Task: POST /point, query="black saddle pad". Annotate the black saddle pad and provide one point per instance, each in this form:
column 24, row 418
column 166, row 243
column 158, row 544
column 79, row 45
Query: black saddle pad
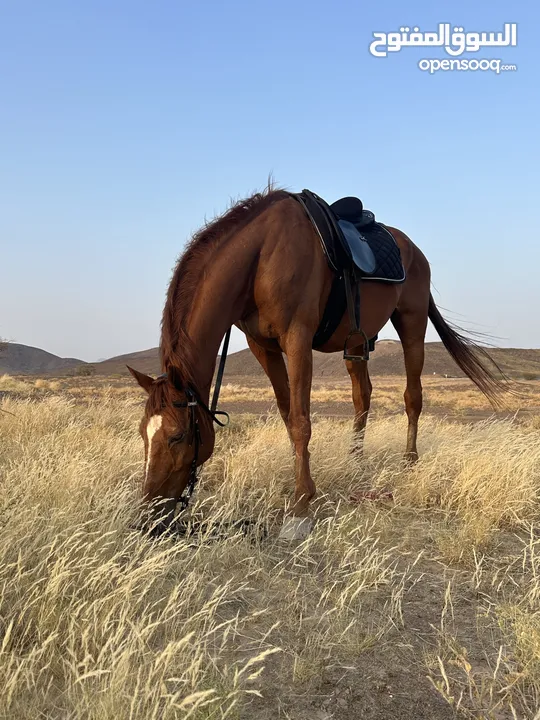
column 389, row 267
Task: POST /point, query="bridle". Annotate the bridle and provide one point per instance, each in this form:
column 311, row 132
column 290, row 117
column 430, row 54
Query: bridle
column 192, row 402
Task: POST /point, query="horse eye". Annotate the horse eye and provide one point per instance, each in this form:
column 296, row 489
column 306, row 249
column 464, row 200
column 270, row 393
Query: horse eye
column 175, row 439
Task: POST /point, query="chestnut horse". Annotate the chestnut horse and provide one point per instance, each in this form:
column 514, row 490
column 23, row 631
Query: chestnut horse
column 260, row 267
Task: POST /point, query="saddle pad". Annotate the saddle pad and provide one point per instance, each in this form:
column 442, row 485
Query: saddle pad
column 389, row 267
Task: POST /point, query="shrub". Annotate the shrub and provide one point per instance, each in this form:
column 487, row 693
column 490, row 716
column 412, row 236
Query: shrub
column 83, row 371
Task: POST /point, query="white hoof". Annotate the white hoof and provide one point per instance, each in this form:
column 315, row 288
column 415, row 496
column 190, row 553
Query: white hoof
column 295, row 528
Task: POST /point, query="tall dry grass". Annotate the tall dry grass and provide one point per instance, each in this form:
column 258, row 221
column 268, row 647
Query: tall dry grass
column 13, row 385
column 99, row 622
column 441, row 395
column 28, row 386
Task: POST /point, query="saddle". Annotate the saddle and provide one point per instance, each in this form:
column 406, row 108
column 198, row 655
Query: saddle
column 352, row 210
column 356, row 248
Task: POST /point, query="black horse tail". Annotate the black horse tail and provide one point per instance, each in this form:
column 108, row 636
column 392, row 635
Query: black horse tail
column 473, row 359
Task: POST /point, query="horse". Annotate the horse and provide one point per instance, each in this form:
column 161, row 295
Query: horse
column 260, row 267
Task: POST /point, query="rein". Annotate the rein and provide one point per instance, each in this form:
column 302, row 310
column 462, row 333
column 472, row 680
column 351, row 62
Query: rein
column 193, row 401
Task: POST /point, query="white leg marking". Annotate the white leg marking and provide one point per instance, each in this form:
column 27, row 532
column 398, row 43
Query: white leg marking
column 295, row 528
column 151, row 429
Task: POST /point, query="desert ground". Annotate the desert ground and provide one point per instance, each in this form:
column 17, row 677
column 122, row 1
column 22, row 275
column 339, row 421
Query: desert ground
column 422, row 605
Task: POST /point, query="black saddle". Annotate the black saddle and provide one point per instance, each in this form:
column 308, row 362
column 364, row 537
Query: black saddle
column 352, row 210
column 342, row 242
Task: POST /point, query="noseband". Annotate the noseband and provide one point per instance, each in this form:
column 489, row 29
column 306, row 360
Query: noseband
column 193, row 401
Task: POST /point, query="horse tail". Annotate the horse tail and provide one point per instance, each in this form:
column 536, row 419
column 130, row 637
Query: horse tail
column 470, row 357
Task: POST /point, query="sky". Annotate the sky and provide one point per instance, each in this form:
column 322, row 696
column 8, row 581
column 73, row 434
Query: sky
column 124, row 126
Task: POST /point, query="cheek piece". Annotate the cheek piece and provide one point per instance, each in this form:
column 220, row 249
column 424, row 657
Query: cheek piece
column 193, row 401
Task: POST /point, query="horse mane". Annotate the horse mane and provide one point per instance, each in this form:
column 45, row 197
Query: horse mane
column 176, row 348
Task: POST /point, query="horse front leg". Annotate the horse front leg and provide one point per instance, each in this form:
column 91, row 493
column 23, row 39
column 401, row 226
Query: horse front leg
column 274, row 366
column 300, row 364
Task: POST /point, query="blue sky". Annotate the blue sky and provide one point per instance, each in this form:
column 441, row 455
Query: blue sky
column 123, row 125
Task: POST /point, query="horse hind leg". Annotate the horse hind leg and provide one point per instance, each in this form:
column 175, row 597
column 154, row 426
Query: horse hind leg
column 361, row 391
column 411, row 328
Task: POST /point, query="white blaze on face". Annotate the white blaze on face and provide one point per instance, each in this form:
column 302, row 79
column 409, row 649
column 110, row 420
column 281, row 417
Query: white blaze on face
column 151, row 429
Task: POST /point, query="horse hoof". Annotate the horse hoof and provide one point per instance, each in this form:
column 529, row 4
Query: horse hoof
column 295, row 528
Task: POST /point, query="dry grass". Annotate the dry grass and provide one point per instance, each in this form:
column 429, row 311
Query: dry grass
column 27, row 387
column 98, row 622
column 13, row 385
column 441, row 395
column 451, row 395
column 503, row 680
column 42, row 384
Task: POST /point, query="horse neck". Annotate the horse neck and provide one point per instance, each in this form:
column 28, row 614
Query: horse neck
column 218, row 302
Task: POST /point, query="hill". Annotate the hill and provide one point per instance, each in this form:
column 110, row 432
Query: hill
column 386, row 360
column 24, row 359
column 146, row 361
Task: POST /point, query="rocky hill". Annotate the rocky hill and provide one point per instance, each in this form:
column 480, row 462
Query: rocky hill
column 19, row 359
column 386, row 360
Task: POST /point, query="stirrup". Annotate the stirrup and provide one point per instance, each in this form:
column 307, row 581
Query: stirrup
column 356, row 358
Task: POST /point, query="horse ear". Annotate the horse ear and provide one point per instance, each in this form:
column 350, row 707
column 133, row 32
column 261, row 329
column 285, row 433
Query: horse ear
column 145, row 381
